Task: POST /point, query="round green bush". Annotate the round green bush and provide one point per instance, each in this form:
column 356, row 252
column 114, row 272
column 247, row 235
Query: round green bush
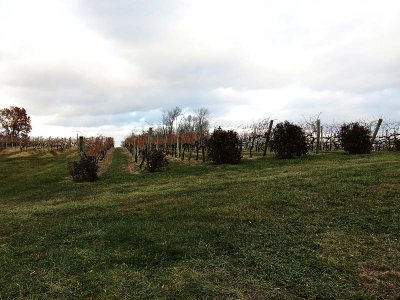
column 224, row 147
column 355, row 138
column 288, row 140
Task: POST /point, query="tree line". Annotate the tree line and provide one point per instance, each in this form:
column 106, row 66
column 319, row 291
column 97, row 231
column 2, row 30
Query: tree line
column 187, row 136
column 178, row 134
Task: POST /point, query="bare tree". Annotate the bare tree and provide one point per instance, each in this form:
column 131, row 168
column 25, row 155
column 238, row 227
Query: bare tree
column 202, row 125
column 187, row 123
column 255, row 136
column 186, row 132
column 309, row 126
column 168, row 119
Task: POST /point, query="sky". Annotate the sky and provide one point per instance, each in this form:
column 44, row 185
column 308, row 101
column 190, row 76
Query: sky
column 110, row 67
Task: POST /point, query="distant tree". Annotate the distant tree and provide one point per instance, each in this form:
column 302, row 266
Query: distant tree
column 288, row 140
column 187, row 124
column 187, row 135
column 355, row 138
column 256, row 131
column 169, row 117
column 202, row 126
column 224, row 147
column 15, row 121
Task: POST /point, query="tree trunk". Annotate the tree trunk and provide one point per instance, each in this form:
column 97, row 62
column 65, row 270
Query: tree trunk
column 143, row 159
column 252, row 146
column 268, row 137
column 183, row 152
column 197, row 150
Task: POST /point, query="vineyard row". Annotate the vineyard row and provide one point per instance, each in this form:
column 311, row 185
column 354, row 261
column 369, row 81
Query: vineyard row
column 254, row 138
column 89, row 146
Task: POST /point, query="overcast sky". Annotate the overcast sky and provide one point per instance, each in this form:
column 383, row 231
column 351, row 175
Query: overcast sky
column 109, row 66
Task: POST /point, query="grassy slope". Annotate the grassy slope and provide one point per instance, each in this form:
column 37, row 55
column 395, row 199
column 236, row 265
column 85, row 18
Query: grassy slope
column 323, row 226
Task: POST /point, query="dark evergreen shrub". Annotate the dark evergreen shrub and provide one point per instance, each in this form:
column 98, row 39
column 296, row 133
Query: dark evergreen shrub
column 288, row 140
column 156, row 161
column 84, row 170
column 224, row 147
column 355, row 138
column 396, row 145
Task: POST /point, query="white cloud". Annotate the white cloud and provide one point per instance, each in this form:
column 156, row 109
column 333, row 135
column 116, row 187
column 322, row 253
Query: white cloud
column 91, row 64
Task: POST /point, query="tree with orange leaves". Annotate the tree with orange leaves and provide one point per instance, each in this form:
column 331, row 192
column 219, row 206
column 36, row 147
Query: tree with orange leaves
column 15, row 121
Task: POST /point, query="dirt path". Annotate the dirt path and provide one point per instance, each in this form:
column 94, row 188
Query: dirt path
column 131, row 166
column 106, row 162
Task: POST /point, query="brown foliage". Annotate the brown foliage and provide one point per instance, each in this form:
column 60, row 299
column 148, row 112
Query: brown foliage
column 15, row 121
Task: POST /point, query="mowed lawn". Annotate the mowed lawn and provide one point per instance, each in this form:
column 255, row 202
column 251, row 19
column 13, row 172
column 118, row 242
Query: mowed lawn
column 322, row 226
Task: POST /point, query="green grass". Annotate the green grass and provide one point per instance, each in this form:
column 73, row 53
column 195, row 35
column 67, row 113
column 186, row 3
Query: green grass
column 322, row 226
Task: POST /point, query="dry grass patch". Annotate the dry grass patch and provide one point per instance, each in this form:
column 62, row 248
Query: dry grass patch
column 23, row 154
column 186, row 161
column 106, row 162
column 9, row 150
column 131, row 166
column 382, row 280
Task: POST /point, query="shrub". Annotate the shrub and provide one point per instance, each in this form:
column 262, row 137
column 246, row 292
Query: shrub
column 355, row 138
column 224, row 147
column 156, row 160
column 396, row 145
column 84, row 170
column 288, row 140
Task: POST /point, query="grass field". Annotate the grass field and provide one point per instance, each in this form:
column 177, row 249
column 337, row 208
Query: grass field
column 322, row 226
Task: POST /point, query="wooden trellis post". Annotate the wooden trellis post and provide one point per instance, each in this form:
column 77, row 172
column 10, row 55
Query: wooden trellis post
column 376, row 131
column 158, row 134
column 318, row 135
column 81, row 147
column 149, row 139
column 322, row 138
column 136, row 149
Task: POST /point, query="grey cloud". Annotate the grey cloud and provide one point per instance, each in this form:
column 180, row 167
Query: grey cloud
column 179, row 72
column 87, row 120
column 354, row 70
column 53, row 79
column 69, row 96
column 337, row 69
column 348, row 106
column 132, row 22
